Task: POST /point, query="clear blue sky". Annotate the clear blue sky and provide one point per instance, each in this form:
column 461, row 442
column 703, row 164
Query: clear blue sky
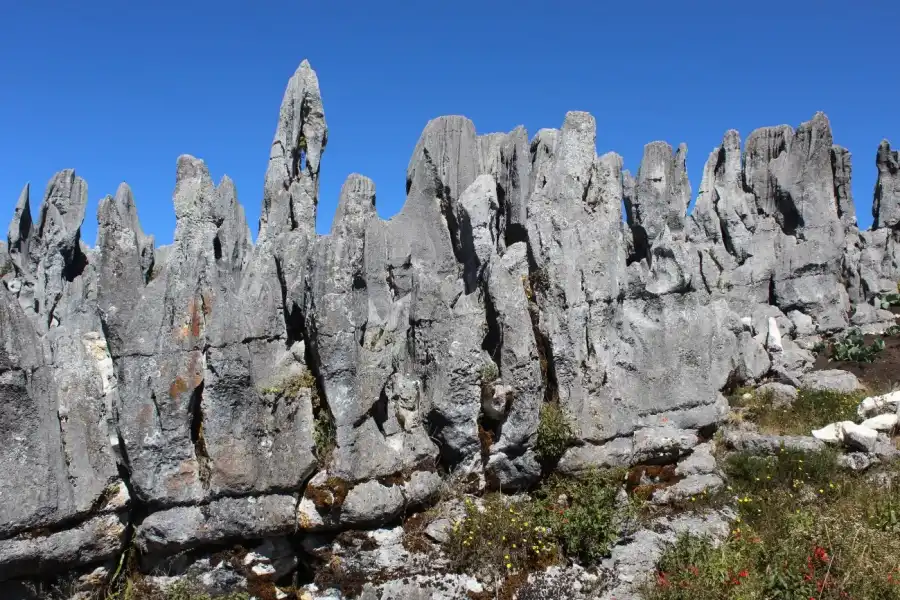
column 117, row 90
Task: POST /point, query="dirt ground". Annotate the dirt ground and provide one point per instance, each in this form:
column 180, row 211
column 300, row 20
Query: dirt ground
column 880, row 376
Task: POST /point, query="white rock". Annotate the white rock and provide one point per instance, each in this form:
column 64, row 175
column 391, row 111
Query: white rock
column 747, row 322
column 874, row 405
column 773, row 340
column 253, row 557
column 886, row 422
column 832, row 433
column 263, row 570
column 280, row 595
column 859, row 437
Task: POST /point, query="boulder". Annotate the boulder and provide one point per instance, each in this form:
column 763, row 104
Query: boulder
column 832, row 380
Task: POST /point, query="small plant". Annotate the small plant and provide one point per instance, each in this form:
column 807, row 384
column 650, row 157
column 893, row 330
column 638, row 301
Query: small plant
column 853, row 348
column 589, row 519
column 489, row 373
column 304, row 381
column 324, row 431
column 892, row 331
column 555, row 432
column 890, row 299
column 539, row 280
column 501, row 538
column 136, row 588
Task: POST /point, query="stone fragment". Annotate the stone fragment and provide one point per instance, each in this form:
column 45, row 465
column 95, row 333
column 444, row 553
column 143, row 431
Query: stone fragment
column 887, row 422
column 185, row 527
column 94, row 541
column 858, row 437
column 832, row 380
column 779, row 394
column 875, row 405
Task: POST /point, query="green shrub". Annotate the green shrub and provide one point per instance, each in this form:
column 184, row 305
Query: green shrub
column 576, row 517
column 889, row 300
column 590, row 519
column 324, row 430
column 555, row 432
column 853, row 348
column 501, row 538
column 489, row 373
column 136, row 588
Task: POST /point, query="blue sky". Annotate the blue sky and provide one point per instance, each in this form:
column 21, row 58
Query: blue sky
column 118, row 90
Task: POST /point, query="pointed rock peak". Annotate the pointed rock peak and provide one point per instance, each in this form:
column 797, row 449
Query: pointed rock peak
column 455, row 150
column 731, row 140
column 295, row 156
column 124, row 195
column 815, row 134
column 885, row 157
column 886, row 207
column 356, row 204
column 227, row 199
column 20, row 227
column 195, row 196
column 226, row 187
column 62, row 210
column 119, row 211
column 577, row 147
column 662, row 191
column 302, row 133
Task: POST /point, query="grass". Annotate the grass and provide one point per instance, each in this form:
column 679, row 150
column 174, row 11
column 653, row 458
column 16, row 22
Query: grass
column 811, row 410
column 805, row 529
column 137, row 589
column 577, row 518
column 555, row 432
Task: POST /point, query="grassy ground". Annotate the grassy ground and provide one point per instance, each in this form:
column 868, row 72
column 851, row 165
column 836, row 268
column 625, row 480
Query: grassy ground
column 811, row 410
column 806, row 529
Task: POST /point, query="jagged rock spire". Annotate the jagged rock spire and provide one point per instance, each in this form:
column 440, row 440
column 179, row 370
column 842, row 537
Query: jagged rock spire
column 662, row 191
column 886, row 207
column 292, row 177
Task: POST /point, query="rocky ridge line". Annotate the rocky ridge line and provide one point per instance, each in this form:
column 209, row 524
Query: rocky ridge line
column 183, row 392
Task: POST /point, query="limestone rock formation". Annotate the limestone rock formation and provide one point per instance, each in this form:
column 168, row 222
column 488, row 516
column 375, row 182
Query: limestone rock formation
column 218, row 389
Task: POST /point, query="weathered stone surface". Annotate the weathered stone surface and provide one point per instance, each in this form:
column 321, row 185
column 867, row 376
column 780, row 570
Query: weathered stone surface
column 218, row 375
column 876, row 405
column 833, row 380
column 779, row 394
column 886, row 208
column 181, row 528
column 94, row 541
column 755, row 443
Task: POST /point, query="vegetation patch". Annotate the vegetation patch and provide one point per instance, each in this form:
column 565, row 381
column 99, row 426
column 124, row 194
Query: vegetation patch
column 853, row 348
column 555, row 432
column 504, row 538
column 136, row 588
column 811, row 410
column 328, row 497
column 805, row 529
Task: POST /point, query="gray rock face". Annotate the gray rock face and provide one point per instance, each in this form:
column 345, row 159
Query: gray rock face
column 886, row 208
column 209, row 381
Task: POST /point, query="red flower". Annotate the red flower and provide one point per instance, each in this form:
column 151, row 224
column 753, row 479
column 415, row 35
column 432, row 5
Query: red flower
column 662, row 580
column 744, row 573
